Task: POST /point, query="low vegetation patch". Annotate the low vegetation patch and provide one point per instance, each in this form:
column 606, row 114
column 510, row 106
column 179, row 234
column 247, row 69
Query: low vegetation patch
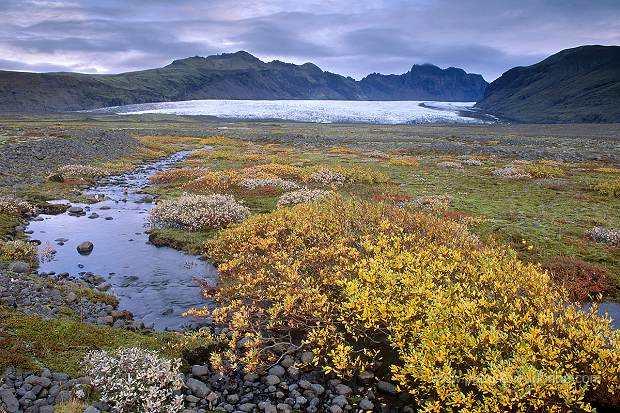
column 178, row 175
column 512, row 173
column 609, row 187
column 302, row 195
column 601, row 234
column 583, row 281
column 456, row 324
column 14, row 206
column 18, row 250
column 198, row 212
column 82, row 171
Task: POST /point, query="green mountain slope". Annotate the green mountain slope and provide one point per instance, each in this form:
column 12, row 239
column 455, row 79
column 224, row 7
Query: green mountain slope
column 228, row 76
column 574, row 85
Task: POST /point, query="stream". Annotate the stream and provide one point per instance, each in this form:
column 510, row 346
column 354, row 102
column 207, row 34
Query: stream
column 157, row 284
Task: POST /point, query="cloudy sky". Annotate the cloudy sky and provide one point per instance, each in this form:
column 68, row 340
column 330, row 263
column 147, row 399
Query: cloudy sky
column 347, row 37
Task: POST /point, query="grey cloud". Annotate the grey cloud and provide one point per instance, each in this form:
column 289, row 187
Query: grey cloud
column 482, row 36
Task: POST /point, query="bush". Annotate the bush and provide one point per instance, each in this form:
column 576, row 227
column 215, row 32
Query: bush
column 450, row 165
column 302, row 195
column 584, row 281
column 82, row 171
column 254, row 183
column 543, row 170
column 136, row 380
column 18, row 251
column 15, row 206
column 512, row 173
column 351, row 174
column 431, row 203
column 178, row 175
column 328, row 177
column 404, row 161
column 198, row 212
column 277, row 169
column 610, row 187
column 458, row 325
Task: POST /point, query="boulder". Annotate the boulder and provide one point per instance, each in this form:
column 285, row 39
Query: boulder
column 85, row 248
column 19, row 267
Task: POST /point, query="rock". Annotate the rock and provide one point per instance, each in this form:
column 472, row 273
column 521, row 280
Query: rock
column 272, row 380
column 232, row 398
column 307, row 357
column 91, row 409
column 9, row 400
column 366, row 404
column 198, row 388
column 386, row 387
column 85, row 248
column 94, row 215
column 343, row 389
column 46, row 409
column 277, row 370
column 335, row 409
column 246, row 407
column 200, row 371
column 19, row 267
column 251, row 377
column 74, row 210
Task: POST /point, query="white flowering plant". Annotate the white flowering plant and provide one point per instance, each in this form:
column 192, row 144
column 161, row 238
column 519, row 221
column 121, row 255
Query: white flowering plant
column 198, row 212
column 512, row 173
column 302, row 195
column 601, row 234
column 136, row 380
column 86, row 171
column 15, row 206
column 328, row 177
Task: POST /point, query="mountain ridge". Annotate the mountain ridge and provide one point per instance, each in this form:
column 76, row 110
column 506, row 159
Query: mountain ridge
column 238, row 75
column 580, row 84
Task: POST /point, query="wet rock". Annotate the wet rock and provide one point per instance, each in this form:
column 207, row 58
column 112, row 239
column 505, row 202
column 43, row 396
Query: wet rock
column 75, row 210
column 85, row 248
column 94, row 215
column 366, row 404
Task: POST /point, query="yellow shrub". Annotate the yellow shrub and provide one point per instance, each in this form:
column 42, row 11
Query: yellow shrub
column 607, row 170
column 462, row 327
column 278, row 169
column 178, row 175
column 218, row 181
column 403, row 162
column 353, row 173
column 232, row 154
column 610, row 187
column 544, row 170
column 219, row 140
column 342, row 150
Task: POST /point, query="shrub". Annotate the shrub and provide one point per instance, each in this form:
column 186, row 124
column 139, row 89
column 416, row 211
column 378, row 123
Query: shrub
column 543, row 170
column 328, row 177
column 607, row 170
column 302, row 195
column 277, row 169
column 431, row 203
column 136, row 380
column 512, row 173
column 198, row 212
column 18, row 250
column 583, row 280
column 458, row 325
column 219, row 140
column 178, row 175
column 472, row 162
column 450, row 165
column 254, row 183
column 377, row 154
column 403, row 161
column 610, row 187
column 82, row 171
column 601, row 234
column 352, row 174
column 15, row 206
column 342, row 150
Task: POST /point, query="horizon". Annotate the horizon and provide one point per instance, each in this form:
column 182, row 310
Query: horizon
column 86, row 36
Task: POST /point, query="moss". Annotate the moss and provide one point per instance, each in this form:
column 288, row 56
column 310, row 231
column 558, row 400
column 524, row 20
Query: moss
column 8, row 224
column 93, row 295
column 188, row 241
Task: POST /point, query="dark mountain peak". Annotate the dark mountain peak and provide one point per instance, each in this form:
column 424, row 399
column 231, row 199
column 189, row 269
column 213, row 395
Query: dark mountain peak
column 581, row 84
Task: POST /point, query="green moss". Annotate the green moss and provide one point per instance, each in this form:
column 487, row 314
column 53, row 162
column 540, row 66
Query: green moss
column 93, row 295
column 188, row 241
column 8, row 224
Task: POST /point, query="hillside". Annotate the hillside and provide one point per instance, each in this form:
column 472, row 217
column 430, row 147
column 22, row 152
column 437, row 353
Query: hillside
column 574, row 85
column 228, row 76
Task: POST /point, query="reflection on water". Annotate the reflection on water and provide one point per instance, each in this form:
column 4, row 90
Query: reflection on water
column 155, row 284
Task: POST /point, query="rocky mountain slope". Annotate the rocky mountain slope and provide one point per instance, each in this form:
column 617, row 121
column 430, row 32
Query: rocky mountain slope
column 575, row 85
column 228, row 76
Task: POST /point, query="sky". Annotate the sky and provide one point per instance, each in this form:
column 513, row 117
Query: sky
column 352, row 38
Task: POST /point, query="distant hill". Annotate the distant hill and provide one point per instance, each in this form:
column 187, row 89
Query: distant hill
column 574, row 85
column 227, row 76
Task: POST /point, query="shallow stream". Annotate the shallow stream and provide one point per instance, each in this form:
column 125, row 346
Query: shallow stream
column 156, row 284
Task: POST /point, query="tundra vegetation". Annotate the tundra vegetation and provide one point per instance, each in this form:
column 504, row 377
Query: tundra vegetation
column 455, row 268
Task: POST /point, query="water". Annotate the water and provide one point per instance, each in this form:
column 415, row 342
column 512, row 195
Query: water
column 155, row 284
column 319, row 111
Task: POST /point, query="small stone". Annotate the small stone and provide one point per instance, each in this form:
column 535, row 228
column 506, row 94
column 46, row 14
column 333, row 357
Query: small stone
column 366, row 404
column 232, row 398
column 335, row 409
column 9, row 400
column 198, row 388
column 94, row 215
column 200, row 371
column 91, row 409
column 277, row 370
column 386, row 387
column 366, row 377
column 46, row 409
column 75, row 210
column 272, row 380
column 307, row 357
column 251, row 377
column 246, row 407
column 343, row 389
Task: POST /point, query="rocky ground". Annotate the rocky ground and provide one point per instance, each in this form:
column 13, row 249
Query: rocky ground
column 22, row 161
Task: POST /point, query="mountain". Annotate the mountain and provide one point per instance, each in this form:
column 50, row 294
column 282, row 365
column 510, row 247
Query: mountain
column 575, row 85
column 227, row 76
column 425, row 82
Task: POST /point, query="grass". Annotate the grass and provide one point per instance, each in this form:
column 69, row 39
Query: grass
column 8, row 223
column 31, row 342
